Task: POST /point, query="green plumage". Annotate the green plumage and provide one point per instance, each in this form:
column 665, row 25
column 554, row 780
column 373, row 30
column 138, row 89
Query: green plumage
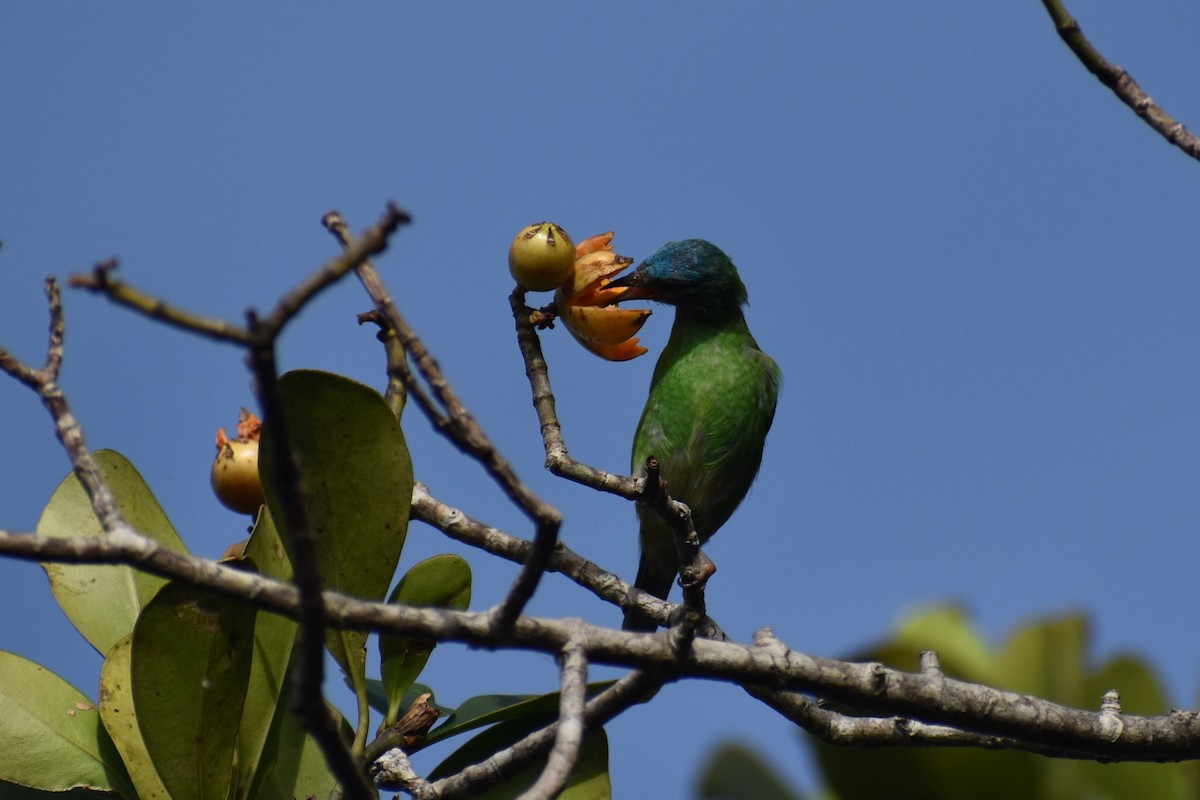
column 712, row 400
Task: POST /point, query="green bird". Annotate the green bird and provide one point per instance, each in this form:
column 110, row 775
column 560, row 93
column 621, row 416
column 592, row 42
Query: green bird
column 711, row 403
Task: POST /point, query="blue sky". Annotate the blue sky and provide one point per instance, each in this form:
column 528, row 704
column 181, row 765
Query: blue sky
column 974, row 266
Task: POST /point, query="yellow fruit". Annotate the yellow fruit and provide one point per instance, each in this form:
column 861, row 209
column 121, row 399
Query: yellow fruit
column 234, row 475
column 541, row 257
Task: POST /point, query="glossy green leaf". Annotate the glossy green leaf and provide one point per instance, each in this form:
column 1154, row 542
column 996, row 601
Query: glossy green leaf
column 103, row 600
column 121, row 721
column 443, row 581
column 51, row 737
column 268, row 692
column 487, row 709
column 735, row 772
column 265, row 548
column 357, row 479
column 190, row 669
column 589, row 780
column 292, row 764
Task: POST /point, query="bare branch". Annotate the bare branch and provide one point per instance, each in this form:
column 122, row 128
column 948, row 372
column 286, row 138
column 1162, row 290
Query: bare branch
column 1037, row 725
column 399, row 375
column 558, row 461
column 458, row 424
column 44, row 382
column 602, row 583
column 569, row 736
column 1120, row 82
column 695, row 567
column 309, row 675
column 629, row 690
column 372, row 242
column 101, row 281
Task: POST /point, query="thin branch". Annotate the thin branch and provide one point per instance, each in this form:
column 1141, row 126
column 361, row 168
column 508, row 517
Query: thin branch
column 309, row 673
column 54, row 350
column 372, row 242
column 604, row 584
column 44, row 383
column 694, row 567
column 569, row 736
column 629, row 690
column 558, row 460
column 399, row 375
column 1120, row 82
column 1036, row 723
column 465, row 432
column 101, row 281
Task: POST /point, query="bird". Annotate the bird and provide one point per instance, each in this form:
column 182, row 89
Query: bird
column 711, row 402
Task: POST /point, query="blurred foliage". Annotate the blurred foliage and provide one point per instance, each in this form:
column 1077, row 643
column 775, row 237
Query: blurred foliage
column 1047, row 658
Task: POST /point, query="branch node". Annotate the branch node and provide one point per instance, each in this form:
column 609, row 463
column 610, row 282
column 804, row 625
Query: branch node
column 1109, row 722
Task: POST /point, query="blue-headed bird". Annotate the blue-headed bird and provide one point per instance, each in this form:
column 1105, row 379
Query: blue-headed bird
column 712, row 400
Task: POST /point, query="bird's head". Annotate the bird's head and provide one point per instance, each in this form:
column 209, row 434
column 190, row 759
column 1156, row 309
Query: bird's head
column 692, row 275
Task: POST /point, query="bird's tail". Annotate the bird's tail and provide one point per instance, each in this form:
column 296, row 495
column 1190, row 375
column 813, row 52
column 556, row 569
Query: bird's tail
column 654, row 575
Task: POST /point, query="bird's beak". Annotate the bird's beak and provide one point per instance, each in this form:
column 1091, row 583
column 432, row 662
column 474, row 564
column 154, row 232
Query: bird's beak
column 634, row 286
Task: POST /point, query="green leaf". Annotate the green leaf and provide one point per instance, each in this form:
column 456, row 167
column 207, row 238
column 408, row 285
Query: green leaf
column 121, row 721
column 589, row 780
column 487, row 709
column 735, row 772
column 443, row 581
column 357, row 478
column 190, row 670
column 12, row 791
column 292, row 764
column 1045, row 658
column 50, row 734
column 103, row 600
column 268, row 692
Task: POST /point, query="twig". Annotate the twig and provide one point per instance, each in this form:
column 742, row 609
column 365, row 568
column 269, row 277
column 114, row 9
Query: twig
column 399, row 375
column 1120, row 82
column 309, row 673
column 695, row 568
column 600, row 582
column 101, row 281
column 372, row 242
column 464, row 431
column 629, row 690
column 44, row 383
column 569, row 736
column 558, row 460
